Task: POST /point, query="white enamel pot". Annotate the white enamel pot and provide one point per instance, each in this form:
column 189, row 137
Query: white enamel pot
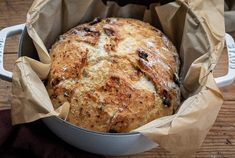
column 95, row 142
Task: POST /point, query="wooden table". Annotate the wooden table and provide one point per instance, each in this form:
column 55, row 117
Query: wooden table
column 220, row 141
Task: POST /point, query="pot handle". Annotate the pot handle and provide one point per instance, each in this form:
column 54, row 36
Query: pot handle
column 230, row 76
column 4, row 33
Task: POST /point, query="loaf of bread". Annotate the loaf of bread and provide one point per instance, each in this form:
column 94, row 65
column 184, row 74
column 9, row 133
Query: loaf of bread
column 117, row 74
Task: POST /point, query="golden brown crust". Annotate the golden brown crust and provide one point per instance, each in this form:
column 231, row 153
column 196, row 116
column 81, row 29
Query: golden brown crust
column 116, row 73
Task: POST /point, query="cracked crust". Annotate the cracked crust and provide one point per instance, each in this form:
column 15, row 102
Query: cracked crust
column 117, row 74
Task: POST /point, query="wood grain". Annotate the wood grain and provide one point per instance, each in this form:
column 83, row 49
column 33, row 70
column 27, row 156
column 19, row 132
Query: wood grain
column 5, row 87
column 220, row 141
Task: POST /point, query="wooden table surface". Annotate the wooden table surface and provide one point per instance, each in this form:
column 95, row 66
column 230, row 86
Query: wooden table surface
column 220, row 141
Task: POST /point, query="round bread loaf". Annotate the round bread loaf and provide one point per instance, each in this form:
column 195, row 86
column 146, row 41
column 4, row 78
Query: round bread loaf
column 117, row 74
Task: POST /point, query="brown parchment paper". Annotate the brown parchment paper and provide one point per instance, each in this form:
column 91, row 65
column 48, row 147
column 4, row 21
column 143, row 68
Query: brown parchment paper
column 195, row 27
